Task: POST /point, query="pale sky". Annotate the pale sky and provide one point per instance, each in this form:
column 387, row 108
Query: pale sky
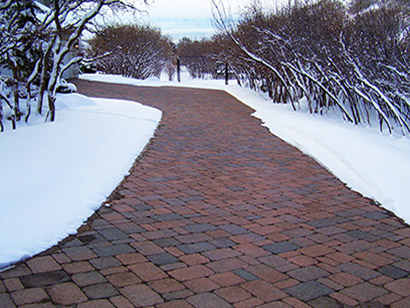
column 191, row 18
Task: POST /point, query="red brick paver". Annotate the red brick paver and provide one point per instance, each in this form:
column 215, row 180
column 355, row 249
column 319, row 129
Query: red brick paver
column 218, row 212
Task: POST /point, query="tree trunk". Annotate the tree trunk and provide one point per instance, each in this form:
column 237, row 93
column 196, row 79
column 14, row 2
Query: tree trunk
column 51, row 107
column 1, row 117
column 43, row 79
column 28, row 103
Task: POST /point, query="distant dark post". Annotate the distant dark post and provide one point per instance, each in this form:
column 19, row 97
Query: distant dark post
column 226, row 74
column 179, row 69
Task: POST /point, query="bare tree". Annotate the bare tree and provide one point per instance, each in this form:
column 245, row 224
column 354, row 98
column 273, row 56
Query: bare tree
column 135, row 51
column 66, row 22
column 199, row 57
column 321, row 53
column 18, row 48
column 45, row 40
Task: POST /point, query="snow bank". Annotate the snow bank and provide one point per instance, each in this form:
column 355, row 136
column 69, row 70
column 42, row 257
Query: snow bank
column 53, row 176
column 371, row 163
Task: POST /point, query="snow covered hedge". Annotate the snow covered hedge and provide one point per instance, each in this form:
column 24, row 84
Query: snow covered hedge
column 328, row 56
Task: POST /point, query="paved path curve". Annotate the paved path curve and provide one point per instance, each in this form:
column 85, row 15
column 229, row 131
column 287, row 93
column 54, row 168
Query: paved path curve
column 219, row 213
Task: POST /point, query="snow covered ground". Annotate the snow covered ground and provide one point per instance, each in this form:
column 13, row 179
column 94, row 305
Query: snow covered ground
column 376, row 165
column 53, row 176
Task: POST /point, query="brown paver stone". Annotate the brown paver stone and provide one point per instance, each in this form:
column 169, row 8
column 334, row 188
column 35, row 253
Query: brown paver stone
column 317, row 250
column 276, row 304
column 113, row 270
column 131, row 258
column 208, row 300
column 194, row 259
column 201, row 285
column 218, row 212
column 166, row 285
column 364, row 292
column 345, row 279
column 148, row 248
column 175, row 304
column 249, row 303
column 402, row 303
column 121, row 301
column 147, row 271
column 141, row 295
column 13, row 284
column 79, row 253
column 263, row 290
column 227, row 279
column 21, row 270
column 123, row 279
column 39, row 305
column 29, row 296
column 99, row 303
column 192, row 272
column 294, row 302
column 267, row 273
column 78, row 267
column 43, row 264
column 66, row 294
column 400, row 286
column 233, row 294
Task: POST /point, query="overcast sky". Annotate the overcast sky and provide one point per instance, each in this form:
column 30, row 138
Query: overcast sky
column 191, row 18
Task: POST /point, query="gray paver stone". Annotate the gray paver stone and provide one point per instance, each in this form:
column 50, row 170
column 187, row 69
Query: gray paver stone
column 86, row 279
column 358, row 271
column 167, row 242
column 167, row 217
column 103, row 290
column 308, row 273
column 222, row 242
column 113, row 250
column 200, row 228
column 280, row 247
column 233, row 229
column 44, row 279
column 113, row 234
column 245, row 274
column 196, row 247
column 403, row 252
column 163, row 259
column 5, row 301
column 362, row 235
column 308, row 290
column 392, row 271
column 101, row 263
column 320, row 223
column 325, row 302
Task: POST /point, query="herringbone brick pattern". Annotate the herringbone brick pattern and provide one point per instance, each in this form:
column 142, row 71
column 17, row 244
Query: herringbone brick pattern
column 220, row 213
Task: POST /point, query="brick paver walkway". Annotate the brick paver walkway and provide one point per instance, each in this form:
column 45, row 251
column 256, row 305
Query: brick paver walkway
column 219, row 213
